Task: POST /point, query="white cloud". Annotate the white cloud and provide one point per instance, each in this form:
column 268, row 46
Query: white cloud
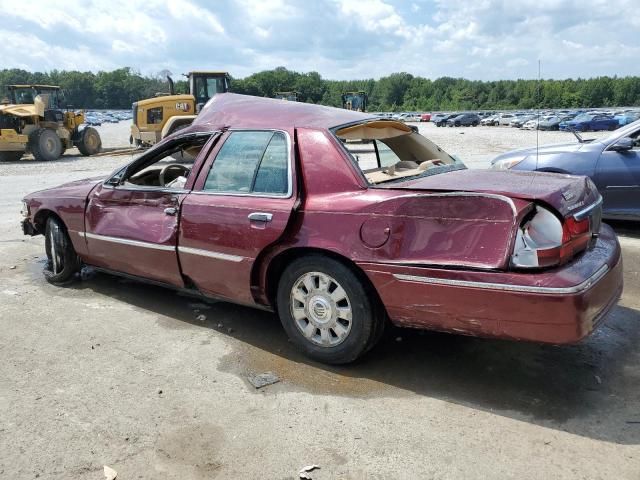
column 41, row 56
column 485, row 39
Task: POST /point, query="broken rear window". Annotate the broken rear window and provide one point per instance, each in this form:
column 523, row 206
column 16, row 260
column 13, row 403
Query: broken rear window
column 387, row 150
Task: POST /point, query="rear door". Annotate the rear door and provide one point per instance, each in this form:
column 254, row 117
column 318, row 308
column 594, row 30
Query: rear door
column 241, row 203
column 618, row 180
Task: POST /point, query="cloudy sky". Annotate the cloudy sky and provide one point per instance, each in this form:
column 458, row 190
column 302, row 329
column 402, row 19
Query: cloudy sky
column 341, row 39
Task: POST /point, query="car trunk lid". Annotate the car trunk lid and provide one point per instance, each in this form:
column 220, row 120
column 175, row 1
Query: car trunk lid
column 567, row 194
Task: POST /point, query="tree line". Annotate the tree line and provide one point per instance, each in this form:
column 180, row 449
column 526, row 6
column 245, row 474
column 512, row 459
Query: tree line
column 118, row 89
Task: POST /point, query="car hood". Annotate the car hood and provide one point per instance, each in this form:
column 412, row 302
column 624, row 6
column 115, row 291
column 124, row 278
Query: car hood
column 566, row 193
column 76, row 188
column 542, row 150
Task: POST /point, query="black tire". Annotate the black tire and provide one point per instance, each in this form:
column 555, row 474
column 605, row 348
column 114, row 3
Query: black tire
column 90, row 142
column 58, row 246
column 45, row 144
column 367, row 316
column 475, row 124
column 10, row 156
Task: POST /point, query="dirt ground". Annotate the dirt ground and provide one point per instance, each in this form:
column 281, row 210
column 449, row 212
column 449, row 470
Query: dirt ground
column 110, row 372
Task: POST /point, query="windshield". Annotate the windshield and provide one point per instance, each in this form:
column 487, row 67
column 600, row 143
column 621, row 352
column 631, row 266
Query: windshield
column 207, row 87
column 26, row 96
column 387, row 151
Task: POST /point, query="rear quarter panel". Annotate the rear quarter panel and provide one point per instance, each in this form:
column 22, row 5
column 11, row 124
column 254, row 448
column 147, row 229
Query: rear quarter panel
column 340, row 214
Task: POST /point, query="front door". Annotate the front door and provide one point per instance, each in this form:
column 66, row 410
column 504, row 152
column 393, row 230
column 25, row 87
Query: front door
column 241, row 203
column 131, row 220
column 618, row 180
column 134, row 232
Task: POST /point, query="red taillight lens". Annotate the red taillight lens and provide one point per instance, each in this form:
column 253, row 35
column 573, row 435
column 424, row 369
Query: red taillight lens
column 573, row 228
column 576, row 235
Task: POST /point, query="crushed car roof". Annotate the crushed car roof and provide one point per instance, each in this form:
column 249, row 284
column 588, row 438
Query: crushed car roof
column 244, row 111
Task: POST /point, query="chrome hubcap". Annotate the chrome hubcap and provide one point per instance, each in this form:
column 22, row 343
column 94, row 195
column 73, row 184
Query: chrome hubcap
column 321, row 309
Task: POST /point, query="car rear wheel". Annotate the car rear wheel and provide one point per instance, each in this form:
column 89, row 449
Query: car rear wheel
column 62, row 261
column 327, row 311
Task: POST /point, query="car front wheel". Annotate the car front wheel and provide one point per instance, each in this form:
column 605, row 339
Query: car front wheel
column 327, row 311
column 62, row 260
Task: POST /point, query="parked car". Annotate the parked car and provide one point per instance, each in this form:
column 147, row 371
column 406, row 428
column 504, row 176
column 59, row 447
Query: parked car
column 505, row 119
column 464, row 120
column 437, row 117
column 627, row 118
column 519, row 121
column 442, row 121
column 334, row 248
column 425, row 117
column 92, row 120
column 553, row 122
column 613, row 163
column 532, row 124
column 491, row 120
column 589, row 122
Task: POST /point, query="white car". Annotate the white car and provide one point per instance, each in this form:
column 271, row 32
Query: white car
column 490, row 120
column 505, row 119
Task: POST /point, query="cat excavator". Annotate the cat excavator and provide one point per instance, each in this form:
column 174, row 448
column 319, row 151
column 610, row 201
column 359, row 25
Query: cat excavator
column 155, row 118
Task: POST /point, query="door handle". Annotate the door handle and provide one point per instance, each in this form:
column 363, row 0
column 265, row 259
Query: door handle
column 170, row 211
column 260, row 217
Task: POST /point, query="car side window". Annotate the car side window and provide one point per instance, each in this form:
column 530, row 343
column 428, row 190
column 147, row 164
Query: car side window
column 272, row 172
column 250, row 162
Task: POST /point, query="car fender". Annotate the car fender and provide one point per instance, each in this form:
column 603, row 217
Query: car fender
column 575, row 163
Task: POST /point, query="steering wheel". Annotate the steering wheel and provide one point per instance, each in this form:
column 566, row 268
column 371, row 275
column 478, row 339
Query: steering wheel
column 171, row 166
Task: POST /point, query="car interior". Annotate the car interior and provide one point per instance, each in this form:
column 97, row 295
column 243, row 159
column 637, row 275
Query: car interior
column 169, row 169
column 386, row 150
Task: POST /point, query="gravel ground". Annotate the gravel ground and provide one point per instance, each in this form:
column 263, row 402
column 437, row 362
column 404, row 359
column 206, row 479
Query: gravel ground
column 109, row 372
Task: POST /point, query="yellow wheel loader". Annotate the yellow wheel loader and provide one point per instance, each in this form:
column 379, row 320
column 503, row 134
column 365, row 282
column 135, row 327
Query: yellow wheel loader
column 155, row 118
column 32, row 119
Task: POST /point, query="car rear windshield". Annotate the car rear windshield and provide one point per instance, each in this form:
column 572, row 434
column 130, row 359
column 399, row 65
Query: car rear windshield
column 387, row 150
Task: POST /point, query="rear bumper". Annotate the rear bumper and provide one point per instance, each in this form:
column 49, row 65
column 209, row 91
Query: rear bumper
column 558, row 306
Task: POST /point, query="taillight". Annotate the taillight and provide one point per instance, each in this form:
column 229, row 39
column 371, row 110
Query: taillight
column 544, row 241
column 576, row 236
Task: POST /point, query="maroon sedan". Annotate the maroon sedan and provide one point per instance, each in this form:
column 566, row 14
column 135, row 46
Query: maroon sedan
column 340, row 222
